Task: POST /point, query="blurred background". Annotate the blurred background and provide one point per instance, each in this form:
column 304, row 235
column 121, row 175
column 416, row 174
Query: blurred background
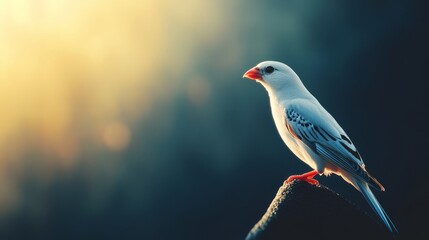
column 131, row 120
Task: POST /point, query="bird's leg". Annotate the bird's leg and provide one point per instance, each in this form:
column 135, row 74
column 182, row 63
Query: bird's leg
column 308, row 177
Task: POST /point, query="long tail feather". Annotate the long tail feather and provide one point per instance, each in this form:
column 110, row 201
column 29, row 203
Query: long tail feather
column 375, row 205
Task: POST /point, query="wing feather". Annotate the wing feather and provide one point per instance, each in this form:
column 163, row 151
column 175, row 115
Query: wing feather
column 328, row 140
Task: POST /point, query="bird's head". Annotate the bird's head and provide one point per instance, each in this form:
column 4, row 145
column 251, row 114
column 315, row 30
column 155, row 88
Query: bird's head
column 272, row 74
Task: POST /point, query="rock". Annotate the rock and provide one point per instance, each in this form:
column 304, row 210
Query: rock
column 304, row 211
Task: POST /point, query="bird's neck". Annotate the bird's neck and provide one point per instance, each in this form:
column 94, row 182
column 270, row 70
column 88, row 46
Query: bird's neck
column 290, row 90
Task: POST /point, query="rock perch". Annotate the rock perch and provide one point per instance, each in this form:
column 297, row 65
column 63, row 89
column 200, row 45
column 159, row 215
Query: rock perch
column 303, row 211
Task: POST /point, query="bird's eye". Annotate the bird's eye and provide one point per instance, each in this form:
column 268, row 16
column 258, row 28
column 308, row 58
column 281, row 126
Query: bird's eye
column 269, row 69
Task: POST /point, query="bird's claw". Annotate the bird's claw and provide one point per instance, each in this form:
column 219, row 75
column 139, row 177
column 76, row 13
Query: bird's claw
column 309, row 180
column 307, row 177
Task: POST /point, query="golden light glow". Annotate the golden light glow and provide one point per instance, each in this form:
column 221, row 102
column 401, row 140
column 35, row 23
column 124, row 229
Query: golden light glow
column 72, row 73
column 116, row 136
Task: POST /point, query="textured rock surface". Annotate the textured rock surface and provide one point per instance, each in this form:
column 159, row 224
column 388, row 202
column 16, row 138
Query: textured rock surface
column 300, row 210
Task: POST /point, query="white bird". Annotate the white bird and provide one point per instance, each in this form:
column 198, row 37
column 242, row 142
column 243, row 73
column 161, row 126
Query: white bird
column 312, row 134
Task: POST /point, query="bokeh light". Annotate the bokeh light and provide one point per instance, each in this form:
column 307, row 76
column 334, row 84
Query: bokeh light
column 133, row 117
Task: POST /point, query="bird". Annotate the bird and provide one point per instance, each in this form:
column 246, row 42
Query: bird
column 313, row 135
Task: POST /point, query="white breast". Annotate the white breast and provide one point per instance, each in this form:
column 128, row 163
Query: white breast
column 297, row 147
column 278, row 112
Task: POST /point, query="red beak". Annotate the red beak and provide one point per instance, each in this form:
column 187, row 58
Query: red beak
column 253, row 74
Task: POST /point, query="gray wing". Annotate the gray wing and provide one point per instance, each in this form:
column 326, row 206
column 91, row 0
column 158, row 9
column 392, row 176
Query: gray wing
column 324, row 136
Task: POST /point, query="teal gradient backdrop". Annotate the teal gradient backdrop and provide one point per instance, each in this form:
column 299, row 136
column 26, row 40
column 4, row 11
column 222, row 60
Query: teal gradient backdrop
column 132, row 120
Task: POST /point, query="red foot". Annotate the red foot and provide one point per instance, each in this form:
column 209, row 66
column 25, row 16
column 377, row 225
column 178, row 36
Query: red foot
column 307, row 177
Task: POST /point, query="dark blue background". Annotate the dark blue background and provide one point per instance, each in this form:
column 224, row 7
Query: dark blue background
column 210, row 169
